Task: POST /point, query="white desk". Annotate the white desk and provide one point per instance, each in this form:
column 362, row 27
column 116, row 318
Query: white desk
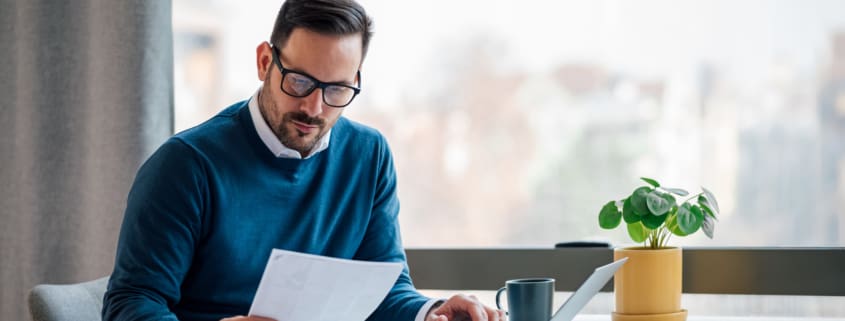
column 591, row 317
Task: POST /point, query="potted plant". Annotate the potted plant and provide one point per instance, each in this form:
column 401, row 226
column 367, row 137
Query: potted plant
column 648, row 287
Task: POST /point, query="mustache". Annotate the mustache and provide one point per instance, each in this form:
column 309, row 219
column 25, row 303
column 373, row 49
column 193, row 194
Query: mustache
column 304, row 118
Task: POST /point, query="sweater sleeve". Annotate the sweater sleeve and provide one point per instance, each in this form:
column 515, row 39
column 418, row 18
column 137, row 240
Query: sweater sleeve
column 382, row 242
column 160, row 228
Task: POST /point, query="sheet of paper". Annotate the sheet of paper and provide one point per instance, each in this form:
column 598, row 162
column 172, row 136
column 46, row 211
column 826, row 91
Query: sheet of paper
column 305, row 287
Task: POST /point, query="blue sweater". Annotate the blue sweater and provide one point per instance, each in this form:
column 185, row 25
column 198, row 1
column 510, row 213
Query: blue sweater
column 208, row 206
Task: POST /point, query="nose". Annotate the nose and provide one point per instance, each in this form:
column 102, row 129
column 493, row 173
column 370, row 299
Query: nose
column 313, row 103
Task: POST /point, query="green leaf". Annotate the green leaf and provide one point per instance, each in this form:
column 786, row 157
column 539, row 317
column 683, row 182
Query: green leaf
column 609, row 217
column 628, row 212
column 669, row 198
column 638, row 200
column 711, row 199
column 696, row 210
column 676, row 229
column 659, row 203
column 638, row 232
column 706, row 208
column 677, row 191
column 650, row 181
column 703, row 200
column 708, row 225
column 689, row 218
column 653, row 221
column 656, row 204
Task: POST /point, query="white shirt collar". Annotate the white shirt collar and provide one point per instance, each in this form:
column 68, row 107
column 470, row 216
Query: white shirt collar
column 271, row 141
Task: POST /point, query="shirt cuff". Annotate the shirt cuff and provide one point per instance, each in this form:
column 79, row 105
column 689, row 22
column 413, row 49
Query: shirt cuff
column 424, row 309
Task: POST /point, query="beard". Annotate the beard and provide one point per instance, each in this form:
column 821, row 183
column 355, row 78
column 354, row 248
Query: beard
column 283, row 128
column 293, row 138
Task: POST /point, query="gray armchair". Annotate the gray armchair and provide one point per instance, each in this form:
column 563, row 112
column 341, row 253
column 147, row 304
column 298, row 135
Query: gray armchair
column 68, row 302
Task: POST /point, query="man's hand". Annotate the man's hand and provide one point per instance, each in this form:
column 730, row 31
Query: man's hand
column 249, row 318
column 462, row 307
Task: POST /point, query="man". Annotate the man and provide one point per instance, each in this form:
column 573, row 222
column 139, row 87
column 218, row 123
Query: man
column 280, row 170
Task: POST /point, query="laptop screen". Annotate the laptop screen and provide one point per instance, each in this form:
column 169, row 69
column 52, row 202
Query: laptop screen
column 587, row 290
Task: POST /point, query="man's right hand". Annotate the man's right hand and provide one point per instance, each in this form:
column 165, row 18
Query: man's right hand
column 249, row 318
column 465, row 308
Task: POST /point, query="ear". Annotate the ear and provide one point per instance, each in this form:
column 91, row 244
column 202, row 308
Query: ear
column 263, row 59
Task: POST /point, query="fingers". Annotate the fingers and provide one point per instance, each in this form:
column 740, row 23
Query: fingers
column 492, row 314
column 459, row 306
column 477, row 312
column 437, row 317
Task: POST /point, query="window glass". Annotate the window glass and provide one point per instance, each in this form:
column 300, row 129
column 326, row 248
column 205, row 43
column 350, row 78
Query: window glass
column 513, row 122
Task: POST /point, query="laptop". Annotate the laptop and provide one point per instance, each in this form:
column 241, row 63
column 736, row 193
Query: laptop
column 590, row 288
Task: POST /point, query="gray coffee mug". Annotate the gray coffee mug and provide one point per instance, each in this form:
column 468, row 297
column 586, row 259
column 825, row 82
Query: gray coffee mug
column 528, row 299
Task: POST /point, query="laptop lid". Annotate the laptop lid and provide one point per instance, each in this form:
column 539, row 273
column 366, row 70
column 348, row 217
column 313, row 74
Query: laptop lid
column 588, row 289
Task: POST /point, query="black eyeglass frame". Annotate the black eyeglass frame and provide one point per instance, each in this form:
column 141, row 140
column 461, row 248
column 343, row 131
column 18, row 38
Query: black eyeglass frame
column 317, row 83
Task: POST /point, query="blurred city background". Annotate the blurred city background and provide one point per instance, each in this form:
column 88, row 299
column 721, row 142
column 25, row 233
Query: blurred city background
column 513, row 122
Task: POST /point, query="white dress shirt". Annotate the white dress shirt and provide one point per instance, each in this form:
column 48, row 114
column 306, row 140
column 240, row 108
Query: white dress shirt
column 271, row 141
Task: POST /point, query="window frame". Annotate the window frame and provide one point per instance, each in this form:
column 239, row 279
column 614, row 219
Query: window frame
column 707, row 270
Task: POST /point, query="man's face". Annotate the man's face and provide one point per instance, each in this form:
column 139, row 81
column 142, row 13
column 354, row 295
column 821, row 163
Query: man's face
column 300, row 122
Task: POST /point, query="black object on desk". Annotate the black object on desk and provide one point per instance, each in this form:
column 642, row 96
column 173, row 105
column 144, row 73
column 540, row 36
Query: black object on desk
column 582, row 244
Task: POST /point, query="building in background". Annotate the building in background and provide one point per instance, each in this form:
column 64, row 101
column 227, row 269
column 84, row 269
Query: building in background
column 516, row 133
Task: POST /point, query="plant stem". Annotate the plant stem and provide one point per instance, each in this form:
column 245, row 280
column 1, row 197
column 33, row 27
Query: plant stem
column 694, row 196
column 654, row 238
column 668, row 236
column 661, row 236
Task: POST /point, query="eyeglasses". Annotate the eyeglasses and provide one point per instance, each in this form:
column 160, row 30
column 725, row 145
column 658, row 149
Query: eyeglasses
column 298, row 84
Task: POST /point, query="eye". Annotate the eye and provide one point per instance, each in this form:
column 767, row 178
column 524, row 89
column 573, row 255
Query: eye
column 337, row 90
column 299, row 84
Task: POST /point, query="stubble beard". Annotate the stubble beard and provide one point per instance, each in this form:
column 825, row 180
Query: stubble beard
column 287, row 134
column 295, row 139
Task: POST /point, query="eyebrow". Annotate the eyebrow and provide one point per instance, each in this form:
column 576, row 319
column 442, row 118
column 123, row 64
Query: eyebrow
column 278, row 53
column 342, row 82
column 299, row 71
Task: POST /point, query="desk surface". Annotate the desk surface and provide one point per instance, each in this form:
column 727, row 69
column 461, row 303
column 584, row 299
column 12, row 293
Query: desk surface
column 589, row 317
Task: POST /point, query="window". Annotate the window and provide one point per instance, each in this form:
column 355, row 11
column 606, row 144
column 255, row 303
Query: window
column 514, row 122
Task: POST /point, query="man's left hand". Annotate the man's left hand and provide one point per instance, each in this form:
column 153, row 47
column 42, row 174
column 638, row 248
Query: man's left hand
column 464, row 308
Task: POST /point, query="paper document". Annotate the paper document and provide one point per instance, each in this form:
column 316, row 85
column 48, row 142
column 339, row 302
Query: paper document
column 305, row 287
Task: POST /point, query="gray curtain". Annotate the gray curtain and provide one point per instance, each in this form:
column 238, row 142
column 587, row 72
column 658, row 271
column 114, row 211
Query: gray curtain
column 86, row 91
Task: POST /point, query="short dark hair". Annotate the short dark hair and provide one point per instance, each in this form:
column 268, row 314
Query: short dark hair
column 331, row 17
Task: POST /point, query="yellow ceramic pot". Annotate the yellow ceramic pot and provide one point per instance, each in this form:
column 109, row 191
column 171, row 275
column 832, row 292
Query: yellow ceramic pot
column 649, row 285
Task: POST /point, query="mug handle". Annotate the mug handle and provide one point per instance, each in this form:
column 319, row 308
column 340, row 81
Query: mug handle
column 498, row 295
